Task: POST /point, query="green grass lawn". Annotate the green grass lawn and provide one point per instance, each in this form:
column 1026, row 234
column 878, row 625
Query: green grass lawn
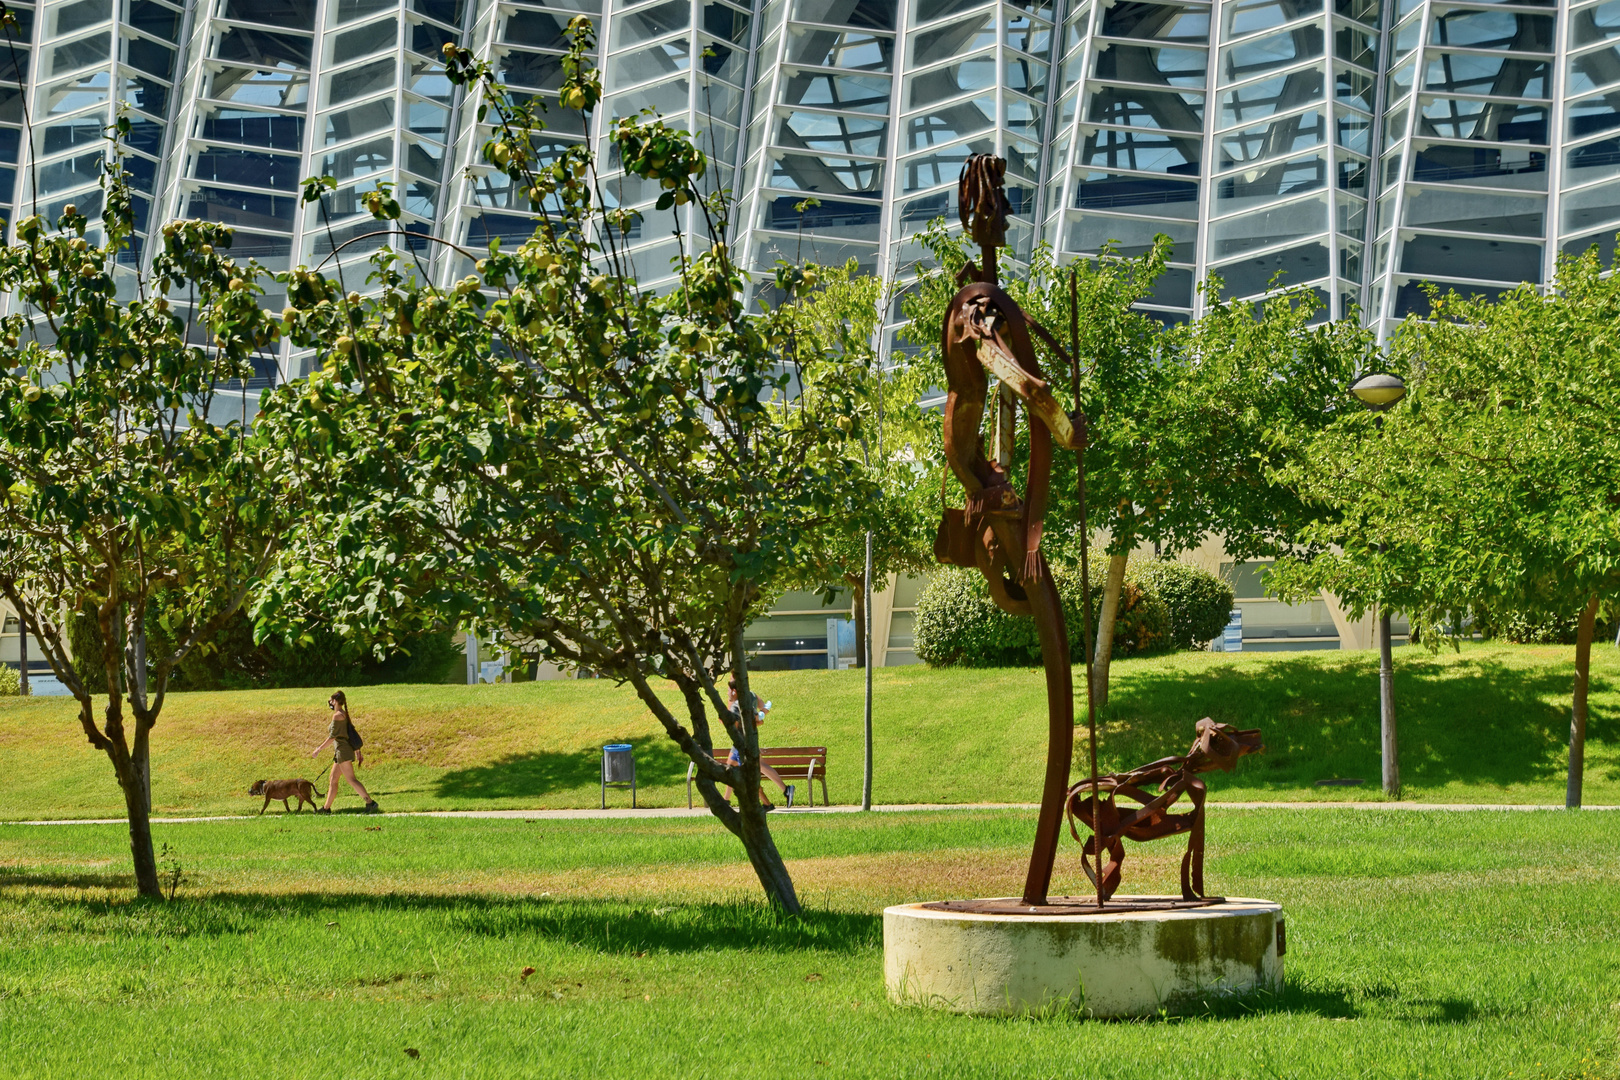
column 1487, row 725
column 1420, row 945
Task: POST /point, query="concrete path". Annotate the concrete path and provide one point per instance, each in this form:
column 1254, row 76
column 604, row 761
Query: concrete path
column 698, row 812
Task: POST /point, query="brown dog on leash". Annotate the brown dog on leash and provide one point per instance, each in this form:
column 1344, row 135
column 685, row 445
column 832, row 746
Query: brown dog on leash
column 302, row 790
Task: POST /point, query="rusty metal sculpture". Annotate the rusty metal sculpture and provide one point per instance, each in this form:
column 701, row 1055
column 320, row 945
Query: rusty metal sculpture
column 1095, row 804
column 986, row 333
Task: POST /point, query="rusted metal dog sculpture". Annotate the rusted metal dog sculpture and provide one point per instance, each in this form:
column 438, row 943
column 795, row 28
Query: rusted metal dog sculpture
column 986, row 334
column 1218, row 746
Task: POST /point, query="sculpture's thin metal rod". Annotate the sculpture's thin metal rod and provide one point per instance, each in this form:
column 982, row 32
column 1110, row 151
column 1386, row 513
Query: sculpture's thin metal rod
column 1085, row 555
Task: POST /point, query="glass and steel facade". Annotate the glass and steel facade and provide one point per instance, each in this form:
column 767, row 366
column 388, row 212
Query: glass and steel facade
column 1360, row 147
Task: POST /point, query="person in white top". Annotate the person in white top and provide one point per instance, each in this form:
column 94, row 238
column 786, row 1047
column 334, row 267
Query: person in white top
column 761, row 709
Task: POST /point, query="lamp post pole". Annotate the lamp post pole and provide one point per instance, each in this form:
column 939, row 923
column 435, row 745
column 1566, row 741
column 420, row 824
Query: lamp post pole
column 1379, row 392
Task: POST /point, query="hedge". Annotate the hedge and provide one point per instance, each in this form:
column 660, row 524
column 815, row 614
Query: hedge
column 1200, row 603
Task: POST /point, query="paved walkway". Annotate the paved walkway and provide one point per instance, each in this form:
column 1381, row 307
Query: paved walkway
column 683, row 812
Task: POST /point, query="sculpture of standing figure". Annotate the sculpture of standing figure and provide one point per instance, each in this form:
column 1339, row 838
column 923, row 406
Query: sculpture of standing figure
column 987, row 334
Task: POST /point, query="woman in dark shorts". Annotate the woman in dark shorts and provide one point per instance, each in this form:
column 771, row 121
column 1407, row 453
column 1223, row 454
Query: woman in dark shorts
column 344, row 756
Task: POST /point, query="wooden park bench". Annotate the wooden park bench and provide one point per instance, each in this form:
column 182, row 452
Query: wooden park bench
column 804, row 764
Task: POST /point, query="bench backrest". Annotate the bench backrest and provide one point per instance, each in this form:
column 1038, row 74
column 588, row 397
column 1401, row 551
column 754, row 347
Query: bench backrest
column 794, row 757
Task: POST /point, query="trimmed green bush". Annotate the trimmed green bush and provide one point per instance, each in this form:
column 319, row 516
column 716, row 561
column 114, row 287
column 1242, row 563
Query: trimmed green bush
column 1200, row 603
column 958, row 624
column 10, row 681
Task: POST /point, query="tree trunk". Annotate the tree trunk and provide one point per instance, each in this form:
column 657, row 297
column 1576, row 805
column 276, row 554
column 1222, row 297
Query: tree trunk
column 132, row 766
column 1387, row 740
column 857, row 592
column 1105, row 627
column 1577, row 720
column 762, row 854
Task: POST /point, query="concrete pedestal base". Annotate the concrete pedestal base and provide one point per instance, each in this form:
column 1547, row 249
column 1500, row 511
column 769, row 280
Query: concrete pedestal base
column 1127, row 963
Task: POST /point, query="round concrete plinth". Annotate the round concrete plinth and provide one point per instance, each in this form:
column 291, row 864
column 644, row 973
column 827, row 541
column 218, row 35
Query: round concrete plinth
column 1128, row 963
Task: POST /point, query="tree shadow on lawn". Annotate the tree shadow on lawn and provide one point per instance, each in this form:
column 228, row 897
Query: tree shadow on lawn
column 520, row 776
column 1332, row 1001
column 1467, row 720
column 605, row 925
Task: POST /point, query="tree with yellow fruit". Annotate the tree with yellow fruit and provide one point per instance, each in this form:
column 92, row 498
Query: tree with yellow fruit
column 120, row 485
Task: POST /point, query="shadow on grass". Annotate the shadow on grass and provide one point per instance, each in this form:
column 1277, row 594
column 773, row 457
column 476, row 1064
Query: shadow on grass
column 1470, row 720
column 518, row 776
column 602, row 925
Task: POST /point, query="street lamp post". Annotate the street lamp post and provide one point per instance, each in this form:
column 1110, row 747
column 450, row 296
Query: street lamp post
column 1379, row 392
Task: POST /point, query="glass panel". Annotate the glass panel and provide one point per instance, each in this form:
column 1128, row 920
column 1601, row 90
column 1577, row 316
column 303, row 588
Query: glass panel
column 360, row 120
column 723, row 61
column 1407, row 37
column 1268, row 227
column 1029, row 35
column 819, row 131
column 1262, row 54
column 1395, row 127
column 1489, row 121
column 1510, row 167
column 1252, row 16
column 154, row 19
column 650, row 22
column 1494, row 30
column 1351, row 216
column 426, row 119
column 68, row 173
column 1026, row 76
column 841, row 49
column 72, row 55
column 296, row 14
column 71, row 95
column 1603, row 241
column 144, row 94
column 1599, row 22
column 1591, row 70
column 1289, row 267
column 1146, row 109
column 1356, row 45
column 1412, row 299
column 1141, row 151
column 428, row 79
column 150, row 57
column 950, row 123
column 68, row 19
column 241, row 86
column 250, row 209
column 1185, row 23
column 365, row 40
column 262, row 130
column 545, row 30
column 1456, row 256
column 1590, row 207
column 430, row 40
column 66, row 134
column 1150, row 64
column 1275, row 180
column 1592, row 115
column 1498, row 76
column 1260, row 99
column 729, row 24
column 644, row 65
column 663, row 98
column 1353, row 88
column 830, row 90
column 262, row 48
column 450, row 12
column 805, row 172
column 1354, row 131
column 1129, row 236
column 372, row 78
column 424, row 159
column 1476, row 211
column 1144, row 194
column 953, row 80
column 248, row 168
column 831, row 216
column 1400, row 80
column 953, row 39
column 941, row 167
column 929, row 10
column 1284, row 136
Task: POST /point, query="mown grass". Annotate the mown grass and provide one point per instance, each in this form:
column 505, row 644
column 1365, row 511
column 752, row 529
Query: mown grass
column 1488, row 724
column 1420, row 945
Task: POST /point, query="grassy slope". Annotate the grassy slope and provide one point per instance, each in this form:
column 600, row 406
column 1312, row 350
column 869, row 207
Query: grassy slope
column 1454, row 945
column 1490, row 724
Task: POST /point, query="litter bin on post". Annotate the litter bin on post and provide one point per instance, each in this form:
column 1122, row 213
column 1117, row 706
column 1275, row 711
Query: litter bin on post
column 618, row 770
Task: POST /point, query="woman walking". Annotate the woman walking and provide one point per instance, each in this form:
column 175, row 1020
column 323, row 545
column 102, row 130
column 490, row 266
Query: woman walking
column 345, row 757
